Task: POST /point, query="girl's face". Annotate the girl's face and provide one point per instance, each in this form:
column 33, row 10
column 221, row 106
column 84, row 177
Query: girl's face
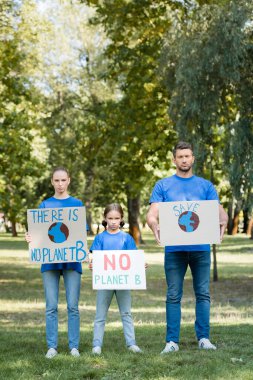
column 113, row 219
column 60, row 182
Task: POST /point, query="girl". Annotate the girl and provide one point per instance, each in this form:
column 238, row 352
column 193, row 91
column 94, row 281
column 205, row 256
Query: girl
column 113, row 239
column 71, row 274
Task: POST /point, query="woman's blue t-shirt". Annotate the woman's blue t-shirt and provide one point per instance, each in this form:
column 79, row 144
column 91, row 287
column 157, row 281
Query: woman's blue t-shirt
column 59, row 203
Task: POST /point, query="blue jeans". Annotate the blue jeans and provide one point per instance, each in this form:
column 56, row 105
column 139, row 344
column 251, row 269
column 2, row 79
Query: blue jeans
column 104, row 299
column 175, row 265
column 72, row 282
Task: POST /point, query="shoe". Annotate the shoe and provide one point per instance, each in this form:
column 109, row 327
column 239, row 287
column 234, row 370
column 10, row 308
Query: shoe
column 205, row 344
column 96, row 350
column 134, row 348
column 51, row 353
column 170, row 347
column 75, row 352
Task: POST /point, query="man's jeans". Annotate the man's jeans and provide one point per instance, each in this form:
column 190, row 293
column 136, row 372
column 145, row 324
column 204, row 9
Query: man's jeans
column 72, row 282
column 175, row 265
column 104, row 298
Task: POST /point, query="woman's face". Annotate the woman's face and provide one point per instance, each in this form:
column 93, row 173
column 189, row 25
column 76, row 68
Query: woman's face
column 60, row 181
column 113, row 219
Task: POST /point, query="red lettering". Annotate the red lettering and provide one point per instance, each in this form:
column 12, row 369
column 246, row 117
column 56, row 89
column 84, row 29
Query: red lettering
column 107, row 262
column 127, row 261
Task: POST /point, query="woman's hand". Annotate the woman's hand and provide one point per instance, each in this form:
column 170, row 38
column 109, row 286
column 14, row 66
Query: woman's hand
column 28, row 237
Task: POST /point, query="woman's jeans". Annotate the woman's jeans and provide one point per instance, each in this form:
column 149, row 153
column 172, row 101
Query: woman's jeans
column 104, row 298
column 175, row 265
column 72, row 282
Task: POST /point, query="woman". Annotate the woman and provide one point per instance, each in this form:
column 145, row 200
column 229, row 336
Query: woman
column 71, row 273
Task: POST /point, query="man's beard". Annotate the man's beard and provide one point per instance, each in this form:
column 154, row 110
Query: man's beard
column 185, row 170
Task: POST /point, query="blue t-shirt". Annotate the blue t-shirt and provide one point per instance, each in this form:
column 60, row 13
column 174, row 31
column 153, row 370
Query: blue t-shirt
column 175, row 188
column 59, row 203
column 118, row 241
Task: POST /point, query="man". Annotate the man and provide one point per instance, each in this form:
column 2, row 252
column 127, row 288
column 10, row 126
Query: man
column 184, row 186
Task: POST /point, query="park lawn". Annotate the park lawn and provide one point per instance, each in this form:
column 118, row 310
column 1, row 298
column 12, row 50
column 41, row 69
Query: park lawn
column 22, row 327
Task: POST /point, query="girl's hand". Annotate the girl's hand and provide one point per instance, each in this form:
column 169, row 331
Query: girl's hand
column 90, row 265
column 28, row 237
column 86, row 260
column 146, row 266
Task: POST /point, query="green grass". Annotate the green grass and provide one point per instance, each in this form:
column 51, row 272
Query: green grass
column 22, row 325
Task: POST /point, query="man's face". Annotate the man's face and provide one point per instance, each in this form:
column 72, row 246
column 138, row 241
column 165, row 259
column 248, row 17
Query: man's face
column 184, row 160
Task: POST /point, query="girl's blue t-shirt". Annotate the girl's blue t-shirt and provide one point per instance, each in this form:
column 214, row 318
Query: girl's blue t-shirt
column 175, row 188
column 118, row 241
column 59, row 203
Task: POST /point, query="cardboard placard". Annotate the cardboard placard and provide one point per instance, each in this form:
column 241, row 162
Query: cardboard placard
column 123, row 269
column 58, row 235
column 189, row 222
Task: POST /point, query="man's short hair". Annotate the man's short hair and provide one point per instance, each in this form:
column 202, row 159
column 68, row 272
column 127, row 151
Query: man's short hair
column 182, row 145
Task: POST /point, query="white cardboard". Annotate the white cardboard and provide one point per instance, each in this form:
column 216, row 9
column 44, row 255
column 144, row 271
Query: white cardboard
column 207, row 231
column 124, row 269
column 71, row 248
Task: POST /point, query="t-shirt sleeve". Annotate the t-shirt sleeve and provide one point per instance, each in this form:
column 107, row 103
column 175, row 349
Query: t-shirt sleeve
column 157, row 193
column 130, row 242
column 97, row 244
column 211, row 192
column 42, row 205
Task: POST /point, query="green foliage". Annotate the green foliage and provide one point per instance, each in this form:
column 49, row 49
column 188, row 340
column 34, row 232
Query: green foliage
column 141, row 132
column 19, row 109
column 207, row 66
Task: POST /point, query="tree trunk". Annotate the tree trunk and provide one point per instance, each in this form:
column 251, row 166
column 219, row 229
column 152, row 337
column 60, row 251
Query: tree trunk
column 246, row 220
column 88, row 196
column 235, row 229
column 14, row 229
column 215, row 267
column 230, row 217
column 133, row 207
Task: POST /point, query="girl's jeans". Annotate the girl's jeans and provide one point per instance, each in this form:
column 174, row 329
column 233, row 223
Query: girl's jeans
column 104, row 298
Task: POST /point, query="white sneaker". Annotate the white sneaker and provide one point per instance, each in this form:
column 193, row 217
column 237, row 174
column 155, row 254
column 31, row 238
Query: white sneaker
column 205, row 344
column 51, row 353
column 134, row 348
column 170, row 347
column 75, row 352
column 96, row 350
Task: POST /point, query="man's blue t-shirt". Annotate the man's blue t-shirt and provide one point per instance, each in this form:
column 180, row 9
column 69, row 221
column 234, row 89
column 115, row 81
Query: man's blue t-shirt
column 175, row 188
column 118, row 241
column 59, row 203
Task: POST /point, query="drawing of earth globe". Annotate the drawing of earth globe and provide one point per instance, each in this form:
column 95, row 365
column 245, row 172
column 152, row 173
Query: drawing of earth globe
column 188, row 221
column 58, row 232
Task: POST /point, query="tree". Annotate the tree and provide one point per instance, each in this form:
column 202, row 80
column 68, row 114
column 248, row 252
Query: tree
column 20, row 162
column 142, row 132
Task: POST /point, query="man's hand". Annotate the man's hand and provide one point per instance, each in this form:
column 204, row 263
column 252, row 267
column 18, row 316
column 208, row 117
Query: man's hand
column 223, row 221
column 223, row 226
column 156, row 231
column 152, row 220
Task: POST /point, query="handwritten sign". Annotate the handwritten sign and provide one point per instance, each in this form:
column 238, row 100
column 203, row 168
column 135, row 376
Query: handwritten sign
column 189, row 222
column 58, row 234
column 119, row 270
